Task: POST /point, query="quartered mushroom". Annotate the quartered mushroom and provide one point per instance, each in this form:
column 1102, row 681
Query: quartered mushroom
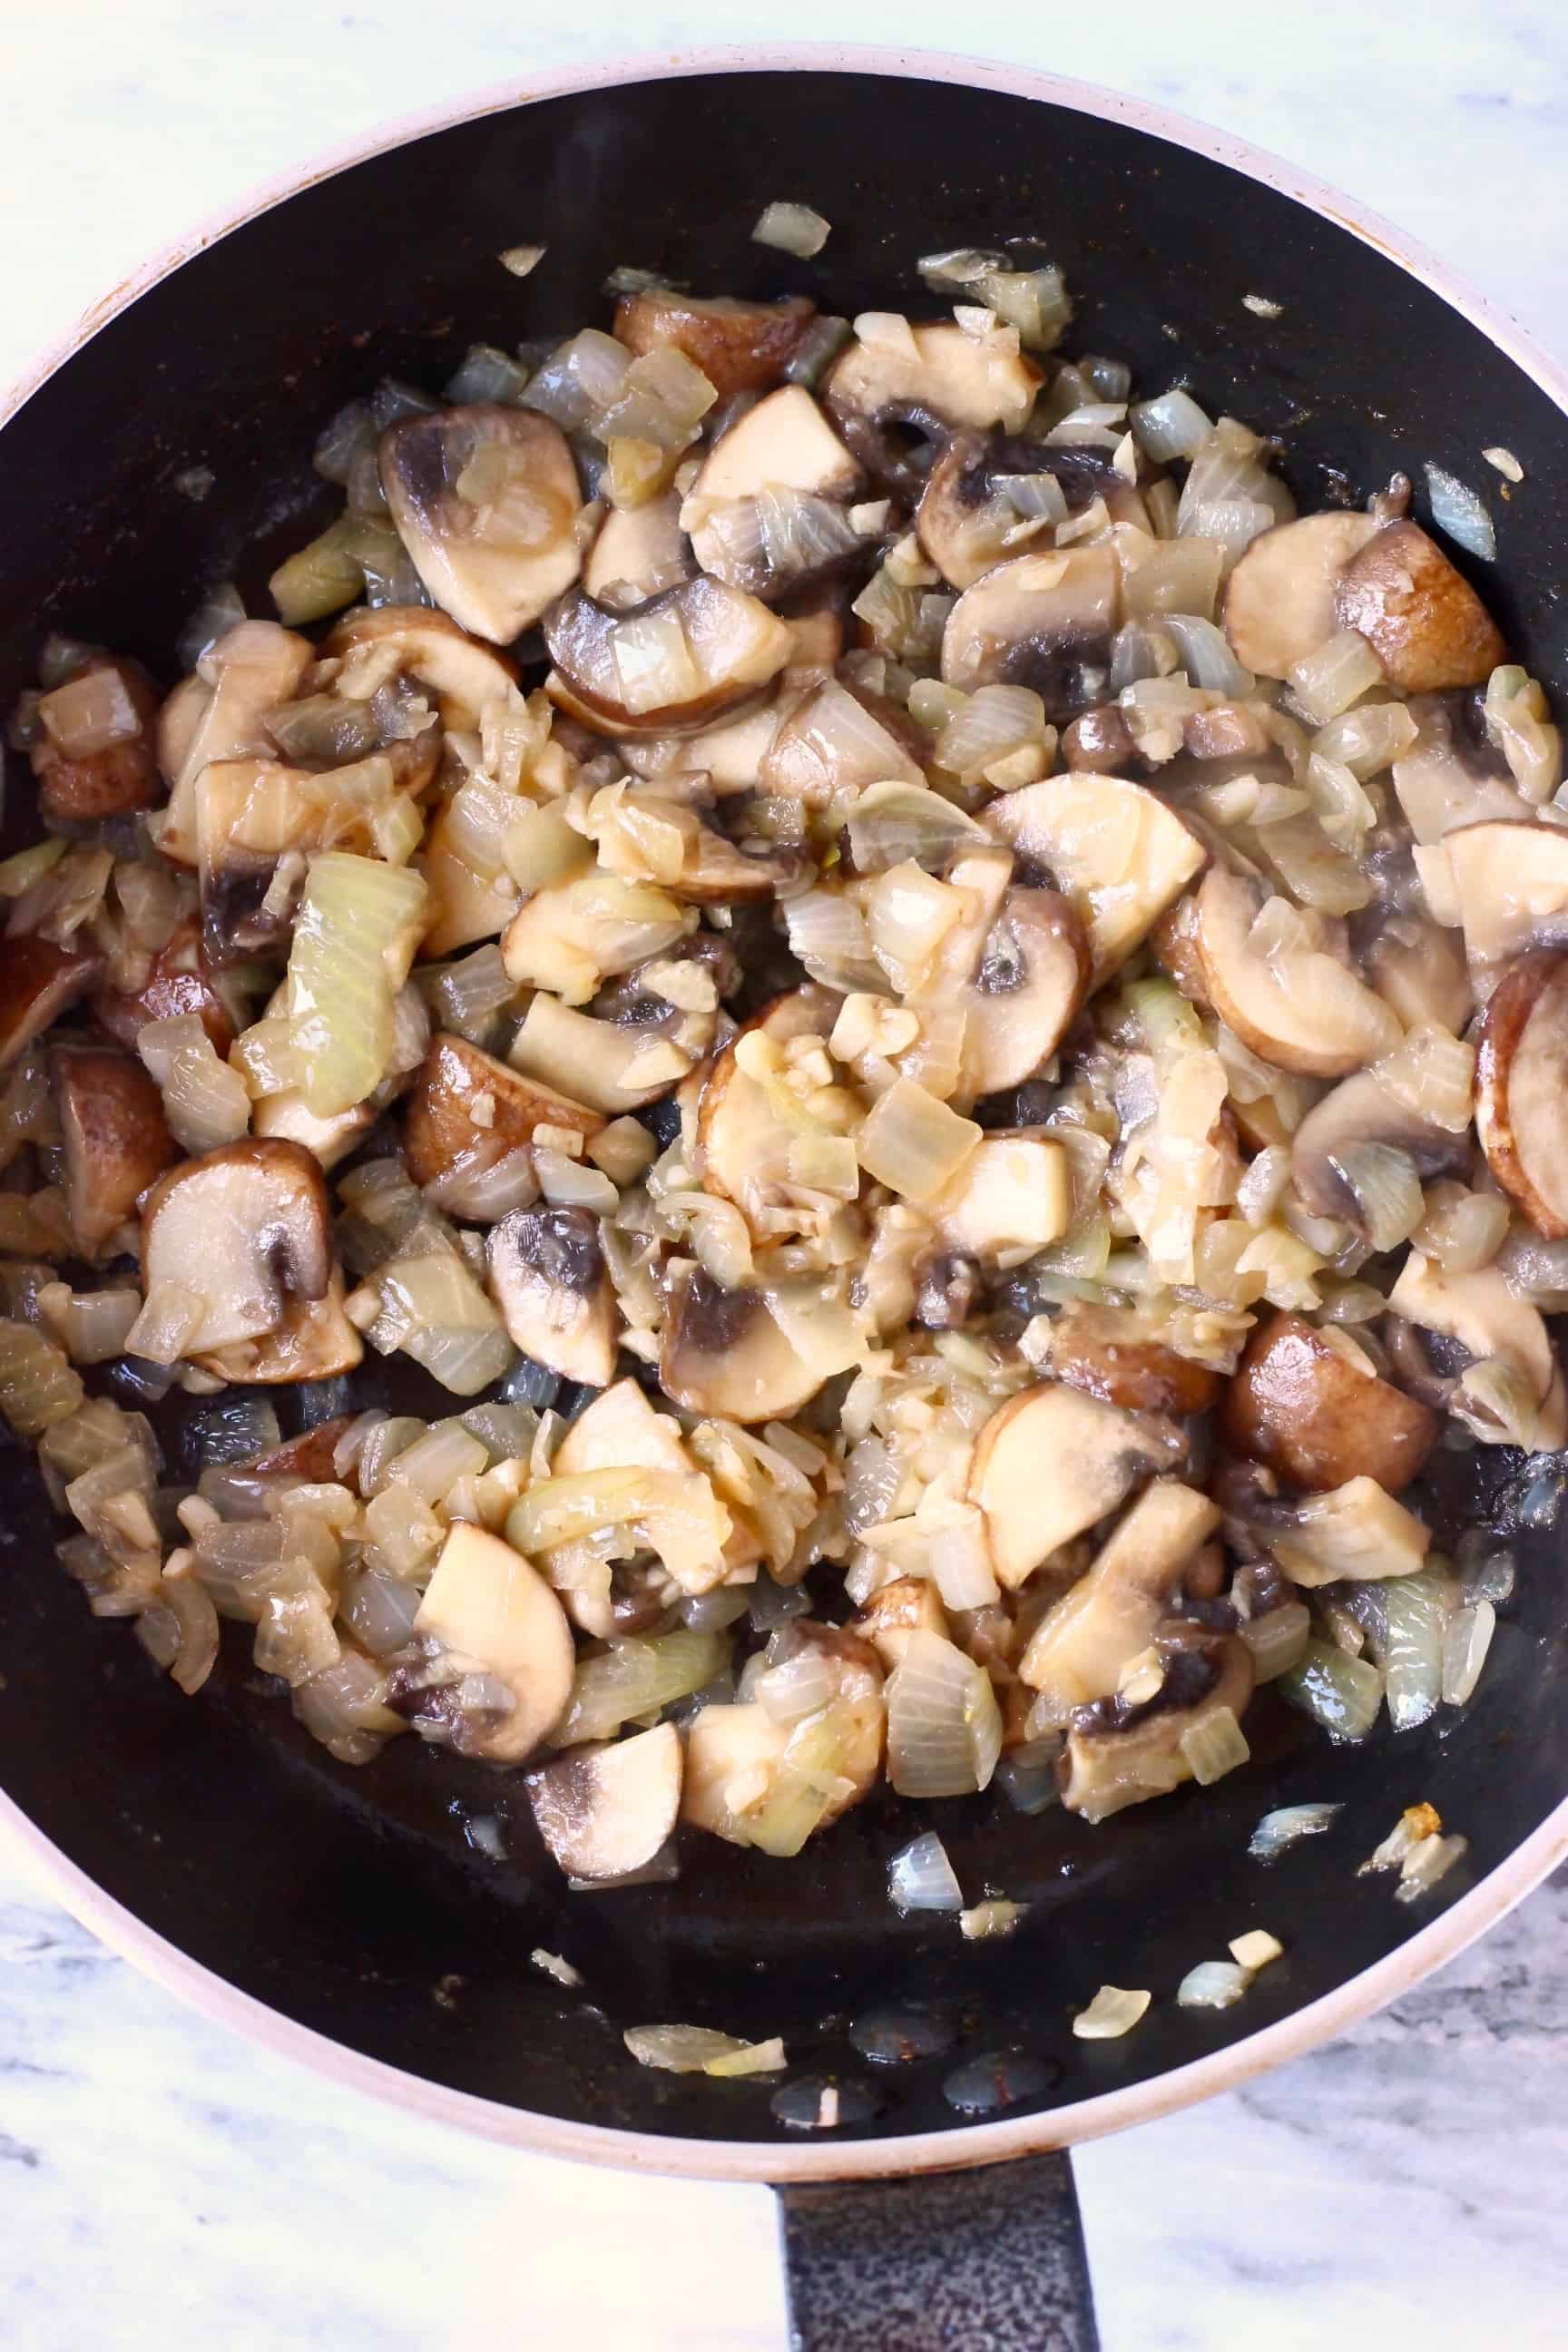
column 668, row 667
column 576, row 934
column 116, row 1140
column 1311, row 1405
column 1287, row 997
column 1096, row 1453
column 466, row 1105
column 1511, row 888
column 549, row 1278
column 1483, row 1315
column 1119, row 852
column 486, row 501
column 1013, row 1194
column 604, row 1812
column 785, row 443
column 838, row 739
column 178, row 982
column 744, row 1134
column 1081, row 1645
column 95, row 756
column 966, row 522
column 757, row 1780
column 38, row 982
column 637, row 552
column 1120, row 1754
column 460, row 676
column 724, row 1353
column 1115, row 1353
column 1359, row 1113
column 1280, row 603
column 935, row 378
column 1041, row 621
column 314, row 1341
column 489, row 1614
column 1521, row 1088
column 1027, row 984
column 246, row 1233
column 739, row 346
column 219, row 712
column 1420, row 616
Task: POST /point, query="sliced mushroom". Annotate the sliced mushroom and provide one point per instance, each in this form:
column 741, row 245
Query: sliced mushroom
column 784, row 442
column 1286, row 998
column 1122, row 855
column 1042, row 621
column 638, row 552
column 604, row 1812
column 668, row 667
column 739, row 346
column 108, row 765
column 724, row 1353
column 461, row 675
column 116, row 1140
column 314, row 1341
column 1420, row 969
column 1097, row 1456
column 1447, row 778
column 251, row 815
column 1013, row 1194
column 245, row 1230
column 967, row 524
column 575, row 934
column 1421, row 617
column 1361, row 1111
column 720, row 760
column 743, row 1133
column 938, row 378
column 1484, row 1316
column 1314, row 1410
column 1032, row 975
column 836, row 741
column 1118, row 1755
column 486, row 501
column 1099, row 741
column 1521, row 1088
column 1280, row 603
column 1113, row 1353
column 463, row 1099
column 219, row 713
column 911, row 1604
column 616, row 1068
column 178, row 982
column 492, row 1614
column 549, row 1278
column 1080, row 1646
column 38, row 982
column 1511, row 883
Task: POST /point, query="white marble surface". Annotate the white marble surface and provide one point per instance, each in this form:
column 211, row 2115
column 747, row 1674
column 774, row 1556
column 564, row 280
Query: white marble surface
column 162, row 2184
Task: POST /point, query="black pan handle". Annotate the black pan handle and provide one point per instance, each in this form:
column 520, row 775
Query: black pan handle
column 990, row 2260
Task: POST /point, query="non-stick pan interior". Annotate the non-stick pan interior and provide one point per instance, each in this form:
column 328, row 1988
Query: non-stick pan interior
column 356, row 1902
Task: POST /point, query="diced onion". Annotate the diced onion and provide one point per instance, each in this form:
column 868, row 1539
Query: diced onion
column 792, row 228
column 913, row 1143
column 1431, row 1859
column 1286, row 1825
column 634, row 1678
column 1278, row 1639
column 1342, row 1693
column 1457, row 509
column 944, row 1726
column 1386, row 1188
column 1466, row 1642
column 206, row 1101
column 696, row 2049
column 1338, row 673
column 358, row 925
column 38, row 1385
column 995, row 1917
column 1213, row 1984
column 1173, row 425
column 1111, row 2013
column 1205, row 653
column 1214, row 1746
column 922, row 1878
column 1411, row 1648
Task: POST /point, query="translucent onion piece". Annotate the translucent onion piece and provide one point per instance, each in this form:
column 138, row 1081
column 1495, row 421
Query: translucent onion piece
column 922, row 1878
column 795, row 1688
column 433, row 1310
column 913, row 1143
column 689, row 2049
column 1286, row 1825
column 1111, row 2013
column 1430, row 1860
column 206, row 1101
column 1205, row 653
column 1457, row 509
column 945, row 1727
column 1213, row 1984
column 1328, row 681
column 1278, row 1639
column 1466, row 1642
column 358, row 925
column 792, row 228
column 1415, row 1616
column 1342, row 1693
column 892, row 822
column 1214, row 1746
column 38, row 1386
column 635, row 1678
column 1027, row 1775
column 344, row 1706
column 1387, row 1190
column 1173, row 425
column 1432, row 1076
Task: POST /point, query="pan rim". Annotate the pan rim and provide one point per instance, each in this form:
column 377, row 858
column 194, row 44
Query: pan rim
column 745, row 2160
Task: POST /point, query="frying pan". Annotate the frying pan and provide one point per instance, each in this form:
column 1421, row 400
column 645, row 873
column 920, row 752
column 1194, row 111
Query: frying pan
column 347, row 1916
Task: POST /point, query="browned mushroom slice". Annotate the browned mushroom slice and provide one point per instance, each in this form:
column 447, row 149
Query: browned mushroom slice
column 1482, row 1313
column 724, row 1353
column 1271, row 980
column 488, row 1614
column 1113, row 1353
column 311, row 1456
column 767, row 544
column 615, row 1067
column 739, row 346
column 116, row 1140
column 315, row 1341
column 744, row 1134
column 966, row 522
column 637, row 552
column 911, row 1604
column 1085, row 1640
column 1510, row 885
column 1097, row 1456
column 38, row 982
column 219, row 713
column 1421, row 617
column 1420, row 970
column 575, row 934
column 836, row 741
column 548, row 1277
column 1032, row 976
column 937, row 377
column 1120, row 1755
column 463, row 1101
column 1316, row 1410
column 720, row 760
column 1521, row 1088
column 1013, row 1193
column 1361, row 1111
column 667, row 667
column 461, row 675
column 178, row 982
column 95, row 756
column 244, row 1232
column 1280, row 604
column 1042, row 621
column 1122, row 855
column 604, row 1812
column 486, row 501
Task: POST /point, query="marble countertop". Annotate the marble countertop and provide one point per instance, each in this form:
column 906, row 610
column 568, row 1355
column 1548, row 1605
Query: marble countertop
column 164, row 2183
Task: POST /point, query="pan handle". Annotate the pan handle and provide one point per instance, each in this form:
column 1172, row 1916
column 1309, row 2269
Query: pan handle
column 993, row 2256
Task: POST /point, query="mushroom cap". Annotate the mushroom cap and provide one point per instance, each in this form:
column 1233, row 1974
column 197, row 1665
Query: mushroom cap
column 637, row 552
column 1279, row 600
column 463, row 1101
column 1481, row 1311
column 718, row 760
column 605, row 1812
column 1113, row 1353
column 724, row 1353
column 1521, row 1086
column 618, row 1067
column 1078, row 1649
column 549, row 1278
column 1314, row 1413
column 963, row 520
column 1013, row 1193
column 461, row 675
column 1119, row 852
column 116, row 1140
column 178, row 982
column 487, row 1606
column 942, row 377
column 1119, row 1756
column 1420, row 616
column 314, row 1341
column 668, row 667
column 1032, row 975
column 1301, row 1009
column 739, row 346
column 247, row 1228
column 1042, row 621
column 486, row 501
column 1361, row 1110
column 85, row 788
column 575, row 934
column 1096, row 1453
column 38, row 982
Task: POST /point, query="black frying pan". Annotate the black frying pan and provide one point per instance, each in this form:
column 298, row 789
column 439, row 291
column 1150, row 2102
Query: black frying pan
column 212, row 1837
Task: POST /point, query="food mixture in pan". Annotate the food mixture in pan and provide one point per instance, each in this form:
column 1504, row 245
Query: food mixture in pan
column 935, row 1027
